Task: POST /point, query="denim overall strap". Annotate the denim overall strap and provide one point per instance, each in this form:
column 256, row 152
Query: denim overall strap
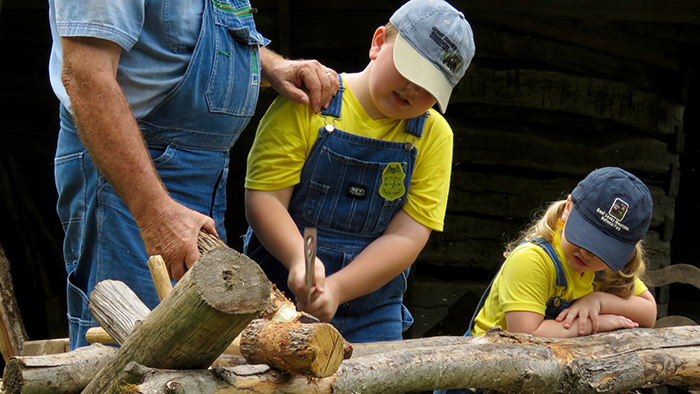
column 217, row 96
column 336, row 103
column 553, row 303
column 416, row 125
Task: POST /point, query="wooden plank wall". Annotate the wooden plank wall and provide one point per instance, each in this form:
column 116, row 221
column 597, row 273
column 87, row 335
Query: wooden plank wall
column 557, row 88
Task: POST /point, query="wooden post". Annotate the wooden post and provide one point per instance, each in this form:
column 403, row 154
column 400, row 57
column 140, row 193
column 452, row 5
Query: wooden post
column 12, row 333
column 212, row 303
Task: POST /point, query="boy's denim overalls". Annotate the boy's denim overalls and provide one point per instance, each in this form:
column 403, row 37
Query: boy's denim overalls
column 339, row 193
column 188, row 135
column 554, row 306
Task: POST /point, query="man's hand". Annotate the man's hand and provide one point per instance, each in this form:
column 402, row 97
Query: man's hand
column 294, row 78
column 172, row 231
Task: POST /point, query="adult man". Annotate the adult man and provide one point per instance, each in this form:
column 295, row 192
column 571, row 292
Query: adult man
column 153, row 95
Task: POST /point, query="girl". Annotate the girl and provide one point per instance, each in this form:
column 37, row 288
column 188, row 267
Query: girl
column 576, row 270
column 586, row 249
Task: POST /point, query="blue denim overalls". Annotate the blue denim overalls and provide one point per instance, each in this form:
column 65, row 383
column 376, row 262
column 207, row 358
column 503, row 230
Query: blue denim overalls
column 341, row 193
column 554, row 306
column 188, row 135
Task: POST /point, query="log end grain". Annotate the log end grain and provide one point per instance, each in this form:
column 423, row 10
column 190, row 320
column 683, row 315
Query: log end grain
column 231, row 282
column 315, row 349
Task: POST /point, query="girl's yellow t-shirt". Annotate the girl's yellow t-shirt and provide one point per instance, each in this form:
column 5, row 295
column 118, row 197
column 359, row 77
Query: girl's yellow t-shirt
column 526, row 282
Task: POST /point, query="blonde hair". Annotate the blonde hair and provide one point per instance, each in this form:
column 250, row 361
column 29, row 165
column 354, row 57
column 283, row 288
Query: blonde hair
column 544, row 225
column 391, row 31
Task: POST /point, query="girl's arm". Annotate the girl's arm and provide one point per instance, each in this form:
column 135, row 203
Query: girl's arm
column 640, row 309
column 267, row 214
column 535, row 324
column 384, row 259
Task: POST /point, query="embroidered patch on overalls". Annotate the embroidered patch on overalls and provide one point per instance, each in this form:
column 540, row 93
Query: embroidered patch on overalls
column 355, row 190
column 392, row 182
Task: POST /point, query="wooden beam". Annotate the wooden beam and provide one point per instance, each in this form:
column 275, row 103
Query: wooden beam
column 555, row 91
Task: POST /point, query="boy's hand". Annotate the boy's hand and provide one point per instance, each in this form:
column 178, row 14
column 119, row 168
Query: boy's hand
column 296, row 281
column 585, row 308
column 324, row 305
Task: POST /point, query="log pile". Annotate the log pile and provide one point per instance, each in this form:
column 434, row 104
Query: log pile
column 501, row 362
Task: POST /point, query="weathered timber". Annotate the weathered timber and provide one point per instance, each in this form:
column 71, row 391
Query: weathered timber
column 547, row 90
column 206, row 310
column 613, row 362
column 61, row 373
column 45, row 346
column 674, row 321
column 308, row 349
column 676, row 273
column 111, row 302
column 499, row 194
column 12, row 333
column 477, row 243
column 599, row 37
column 549, row 152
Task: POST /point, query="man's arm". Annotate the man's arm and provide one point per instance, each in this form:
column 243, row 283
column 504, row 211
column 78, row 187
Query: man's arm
column 294, row 78
column 109, row 130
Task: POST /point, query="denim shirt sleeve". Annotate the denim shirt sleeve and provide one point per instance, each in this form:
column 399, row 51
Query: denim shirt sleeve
column 118, row 21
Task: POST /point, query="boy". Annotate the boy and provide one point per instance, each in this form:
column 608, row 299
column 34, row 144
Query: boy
column 371, row 173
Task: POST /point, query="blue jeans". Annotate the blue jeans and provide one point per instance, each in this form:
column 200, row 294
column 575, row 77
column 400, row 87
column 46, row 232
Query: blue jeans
column 102, row 240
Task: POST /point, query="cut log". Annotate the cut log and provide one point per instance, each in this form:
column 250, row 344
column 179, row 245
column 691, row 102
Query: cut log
column 302, row 349
column 117, row 308
column 613, row 362
column 62, row 373
column 12, row 333
column 206, row 310
column 308, row 349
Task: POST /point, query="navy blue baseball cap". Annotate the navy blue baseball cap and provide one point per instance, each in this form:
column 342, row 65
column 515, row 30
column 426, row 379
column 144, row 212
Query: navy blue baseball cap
column 434, row 47
column 611, row 213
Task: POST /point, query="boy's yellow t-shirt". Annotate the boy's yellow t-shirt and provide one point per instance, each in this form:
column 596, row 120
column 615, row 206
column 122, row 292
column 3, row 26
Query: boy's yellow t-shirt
column 526, row 282
column 288, row 131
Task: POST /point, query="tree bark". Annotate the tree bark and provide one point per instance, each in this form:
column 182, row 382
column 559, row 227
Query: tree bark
column 501, row 362
column 62, row 373
column 189, row 329
column 12, row 333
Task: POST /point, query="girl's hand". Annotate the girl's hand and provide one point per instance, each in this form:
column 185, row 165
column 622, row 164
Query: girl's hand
column 610, row 322
column 585, row 308
column 323, row 305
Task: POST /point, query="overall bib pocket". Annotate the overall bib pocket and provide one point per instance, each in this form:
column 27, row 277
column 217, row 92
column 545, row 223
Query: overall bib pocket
column 234, row 82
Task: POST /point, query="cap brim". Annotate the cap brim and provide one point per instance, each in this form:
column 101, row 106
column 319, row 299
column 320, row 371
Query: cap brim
column 417, row 69
column 611, row 251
